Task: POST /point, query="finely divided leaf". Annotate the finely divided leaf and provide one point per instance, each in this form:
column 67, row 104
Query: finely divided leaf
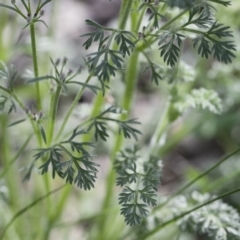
column 203, row 46
column 123, row 39
column 93, row 37
column 127, row 130
column 169, row 46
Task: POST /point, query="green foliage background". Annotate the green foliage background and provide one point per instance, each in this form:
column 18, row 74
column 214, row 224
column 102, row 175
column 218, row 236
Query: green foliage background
column 203, row 109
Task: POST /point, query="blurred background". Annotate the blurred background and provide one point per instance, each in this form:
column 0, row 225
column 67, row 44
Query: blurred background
column 194, row 142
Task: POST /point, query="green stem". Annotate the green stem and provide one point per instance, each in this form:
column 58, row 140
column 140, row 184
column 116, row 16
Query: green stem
column 34, row 126
column 197, row 178
column 141, row 18
column 19, row 11
column 86, row 137
column 164, row 121
column 7, row 167
column 35, row 65
column 124, row 13
column 60, row 205
column 135, row 17
column 178, row 136
column 130, row 77
column 156, row 229
column 58, row 209
column 53, row 113
column 143, row 46
column 25, row 5
column 18, row 101
column 174, row 19
column 11, row 179
column 221, row 182
column 51, row 125
column 99, row 100
column 29, row 7
column 29, row 206
column 73, row 105
column 131, row 73
column 89, row 219
column 198, row 32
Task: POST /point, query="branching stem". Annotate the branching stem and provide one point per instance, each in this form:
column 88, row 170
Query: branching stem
column 143, row 46
column 124, row 13
column 53, row 113
column 130, row 77
column 73, row 105
column 35, row 65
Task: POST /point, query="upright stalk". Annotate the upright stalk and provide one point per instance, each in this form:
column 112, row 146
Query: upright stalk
column 73, row 105
column 124, row 13
column 53, row 113
column 130, row 77
column 11, row 179
column 127, row 100
column 35, row 65
column 161, row 127
column 123, row 16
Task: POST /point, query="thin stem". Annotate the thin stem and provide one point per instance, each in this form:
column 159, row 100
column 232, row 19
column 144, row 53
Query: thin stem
column 58, row 209
column 29, row 206
column 221, row 182
column 6, row 168
column 143, row 46
column 174, row 19
column 141, row 18
column 25, row 5
column 178, row 136
column 73, row 105
column 53, row 113
column 86, row 137
column 98, row 102
column 38, row 7
column 198, row 32
column 35, row 128
column 197, row 178
column 164, row 120
column 35, row 65
column 109, row 119
column 156, row 229
column 131, row 73
column 11, row 179
column 124, row 13
column 89, row 219
column 19, row 12
column 60, row 205
column 18, row 101
column 29, row 7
